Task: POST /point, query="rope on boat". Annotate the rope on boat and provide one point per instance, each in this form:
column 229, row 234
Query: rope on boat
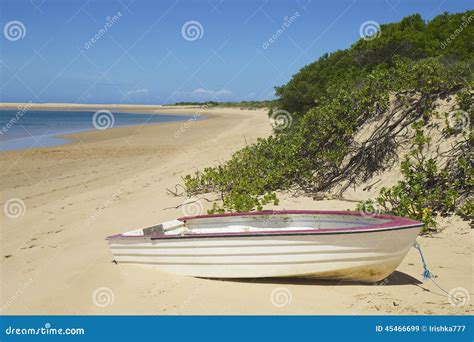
column 426, row 272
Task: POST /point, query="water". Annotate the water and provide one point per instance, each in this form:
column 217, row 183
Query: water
column 30, row 129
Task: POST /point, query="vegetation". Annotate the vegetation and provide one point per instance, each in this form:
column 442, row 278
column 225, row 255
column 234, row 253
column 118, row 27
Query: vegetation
column 391, row 83
column 426, row 189
column 412, row 38
column 242, row 104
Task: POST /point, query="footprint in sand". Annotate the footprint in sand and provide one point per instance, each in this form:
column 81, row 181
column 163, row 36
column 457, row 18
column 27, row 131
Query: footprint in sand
column 54, row 231
column 32, row 246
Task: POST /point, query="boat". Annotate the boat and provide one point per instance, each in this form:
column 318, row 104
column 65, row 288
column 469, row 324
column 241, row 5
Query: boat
column 339, row 245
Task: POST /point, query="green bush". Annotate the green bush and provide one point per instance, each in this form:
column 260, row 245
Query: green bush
column 319, row 151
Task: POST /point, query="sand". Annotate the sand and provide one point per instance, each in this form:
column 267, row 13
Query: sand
column 54, row 259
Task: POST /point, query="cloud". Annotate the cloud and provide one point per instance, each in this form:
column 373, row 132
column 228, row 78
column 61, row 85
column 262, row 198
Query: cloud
column 142, row 91
column 201, row 94
column 213, row 93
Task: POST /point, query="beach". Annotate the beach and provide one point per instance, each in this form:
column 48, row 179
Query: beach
column 55, row 260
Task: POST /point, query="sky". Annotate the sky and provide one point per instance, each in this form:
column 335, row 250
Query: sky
column 160, row 52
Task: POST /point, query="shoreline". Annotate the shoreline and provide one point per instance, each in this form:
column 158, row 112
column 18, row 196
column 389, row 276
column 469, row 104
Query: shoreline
column 74, row 137
column 91, row 107
column 54, row 257
column 54, row 254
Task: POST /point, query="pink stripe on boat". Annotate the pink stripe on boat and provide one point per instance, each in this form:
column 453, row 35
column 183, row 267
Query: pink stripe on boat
column 394, row 222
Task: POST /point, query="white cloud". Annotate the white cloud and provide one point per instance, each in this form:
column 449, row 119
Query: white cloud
column 202, row 94
column 142, row 91
column 209, row 92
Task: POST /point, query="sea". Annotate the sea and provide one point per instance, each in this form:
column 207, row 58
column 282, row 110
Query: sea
column 24, row 129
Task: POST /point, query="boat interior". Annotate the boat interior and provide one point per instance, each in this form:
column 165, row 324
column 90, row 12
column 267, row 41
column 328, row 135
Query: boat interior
column 257, row 223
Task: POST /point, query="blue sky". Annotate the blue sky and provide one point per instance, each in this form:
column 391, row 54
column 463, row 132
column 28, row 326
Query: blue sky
column 144, row 57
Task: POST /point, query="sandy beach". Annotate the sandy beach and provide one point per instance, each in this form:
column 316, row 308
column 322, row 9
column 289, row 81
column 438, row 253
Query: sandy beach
column 55, row 260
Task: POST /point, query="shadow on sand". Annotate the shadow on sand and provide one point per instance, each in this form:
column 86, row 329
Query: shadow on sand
column 396, row 278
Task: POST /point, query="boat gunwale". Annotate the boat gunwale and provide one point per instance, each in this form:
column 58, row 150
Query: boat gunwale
column 394, row 223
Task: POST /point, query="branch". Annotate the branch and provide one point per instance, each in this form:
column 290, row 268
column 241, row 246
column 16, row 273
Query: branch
column 190, row 202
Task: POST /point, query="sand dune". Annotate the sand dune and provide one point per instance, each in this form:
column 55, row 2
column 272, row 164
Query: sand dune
column 55, row 259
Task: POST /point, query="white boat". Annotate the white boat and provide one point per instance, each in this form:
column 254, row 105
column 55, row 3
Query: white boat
column 321, row 244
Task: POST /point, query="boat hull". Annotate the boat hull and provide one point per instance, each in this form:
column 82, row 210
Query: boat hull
column 364, row 256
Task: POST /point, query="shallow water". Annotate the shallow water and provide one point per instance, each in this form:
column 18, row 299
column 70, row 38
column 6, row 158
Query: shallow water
column 31, row 129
